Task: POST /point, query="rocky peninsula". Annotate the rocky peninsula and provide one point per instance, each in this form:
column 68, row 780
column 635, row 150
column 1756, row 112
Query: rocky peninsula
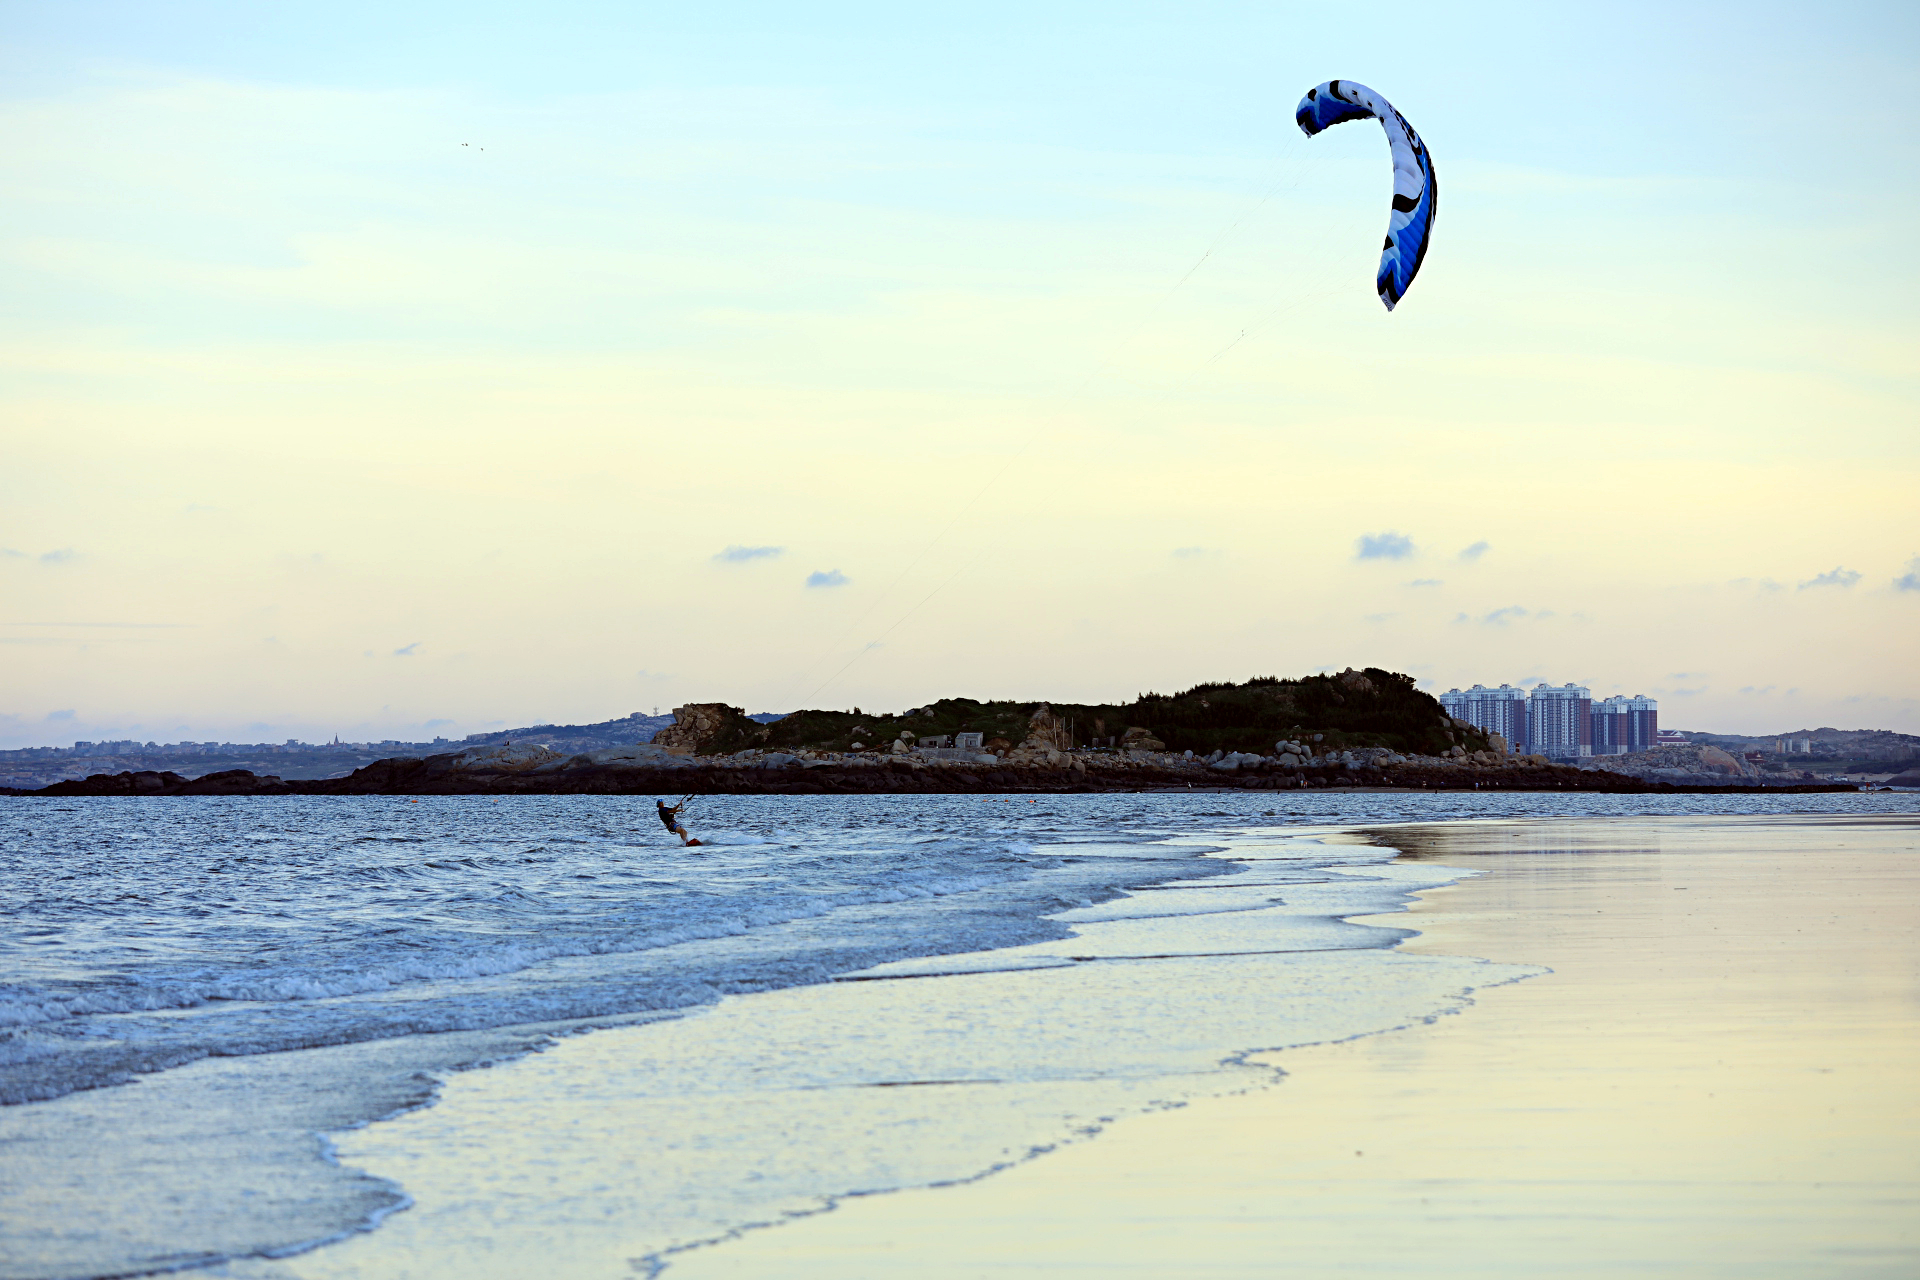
column 1355, row 729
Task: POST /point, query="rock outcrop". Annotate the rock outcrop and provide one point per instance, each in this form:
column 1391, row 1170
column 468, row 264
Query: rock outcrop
column 1693, row 762
column 506, row 758
column 1046, row 732
column 710, row 728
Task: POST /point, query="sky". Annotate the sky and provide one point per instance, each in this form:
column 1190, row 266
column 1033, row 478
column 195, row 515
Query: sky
column 408, row 370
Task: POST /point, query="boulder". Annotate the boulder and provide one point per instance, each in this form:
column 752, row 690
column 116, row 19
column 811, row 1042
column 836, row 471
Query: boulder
column 710, row 728
column 504, row 758
column 1138, row 739
column 1045, row 732
column 1718, row 761
column 642, row 755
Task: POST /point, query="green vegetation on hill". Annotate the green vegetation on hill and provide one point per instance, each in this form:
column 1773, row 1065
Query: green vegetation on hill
column 1371, row 708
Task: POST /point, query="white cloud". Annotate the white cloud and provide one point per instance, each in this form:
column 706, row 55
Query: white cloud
column 740, row 555
column 1383, row 546
column 1835, row 577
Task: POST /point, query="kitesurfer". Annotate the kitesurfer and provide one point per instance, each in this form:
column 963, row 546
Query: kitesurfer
column 670, row 819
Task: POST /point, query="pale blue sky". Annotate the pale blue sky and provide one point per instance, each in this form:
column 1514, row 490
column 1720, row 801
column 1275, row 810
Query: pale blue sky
column 291, row 378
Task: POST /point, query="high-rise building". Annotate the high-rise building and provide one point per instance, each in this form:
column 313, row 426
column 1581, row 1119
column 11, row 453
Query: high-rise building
column 1612, row 727
column 1643, row 723
column 1622, row 724
column 1560, row 720
column 1502, row 711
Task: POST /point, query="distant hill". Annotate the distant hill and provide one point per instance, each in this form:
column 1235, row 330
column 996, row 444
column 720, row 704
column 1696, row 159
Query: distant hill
column 1829, row 744
column 1371, row 708
column 624, row 732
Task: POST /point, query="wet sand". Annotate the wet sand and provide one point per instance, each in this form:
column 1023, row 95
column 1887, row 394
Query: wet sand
column 1720, row 1078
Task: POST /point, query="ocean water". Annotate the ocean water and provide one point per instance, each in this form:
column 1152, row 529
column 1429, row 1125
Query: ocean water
column 219, row 981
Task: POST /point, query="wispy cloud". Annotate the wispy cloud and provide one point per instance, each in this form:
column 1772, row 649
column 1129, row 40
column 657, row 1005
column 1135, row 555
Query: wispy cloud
column 1758, row 584
column 740, row 555
column 61, row 556
column 1910, row 580
column 1474, row 552
column 407, row 650
column 1189, row 553
column 1835, row 577
column 830, row 578
column 57, row 717
column 8, row 553
column 1382, row 546
column 1424, row 582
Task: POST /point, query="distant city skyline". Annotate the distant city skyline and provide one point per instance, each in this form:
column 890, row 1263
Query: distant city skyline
column 1559, row 721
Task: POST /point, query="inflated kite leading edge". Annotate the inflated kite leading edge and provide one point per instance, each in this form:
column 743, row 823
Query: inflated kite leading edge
column 1415, row 192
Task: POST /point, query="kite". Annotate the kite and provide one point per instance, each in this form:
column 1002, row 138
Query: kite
column 1415, row 191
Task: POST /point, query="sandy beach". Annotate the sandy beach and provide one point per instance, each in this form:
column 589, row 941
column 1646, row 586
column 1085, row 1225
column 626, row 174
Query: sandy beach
column 1716, row 1080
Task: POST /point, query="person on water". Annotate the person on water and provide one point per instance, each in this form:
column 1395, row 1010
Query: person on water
column 670, row 819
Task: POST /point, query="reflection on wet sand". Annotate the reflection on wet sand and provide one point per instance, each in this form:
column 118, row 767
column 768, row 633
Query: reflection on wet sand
column 1715, row 1081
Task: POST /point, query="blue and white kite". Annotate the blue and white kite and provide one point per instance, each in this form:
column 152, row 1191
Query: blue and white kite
column 1415, row 193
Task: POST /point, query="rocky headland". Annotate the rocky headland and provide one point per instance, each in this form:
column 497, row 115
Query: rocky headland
column 712, row 748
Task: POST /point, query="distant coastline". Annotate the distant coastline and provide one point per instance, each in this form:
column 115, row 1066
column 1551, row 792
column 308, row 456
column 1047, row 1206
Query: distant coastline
column 1368, row 728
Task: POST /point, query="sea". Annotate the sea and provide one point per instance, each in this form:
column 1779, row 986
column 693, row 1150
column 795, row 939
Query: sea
column 201, row 996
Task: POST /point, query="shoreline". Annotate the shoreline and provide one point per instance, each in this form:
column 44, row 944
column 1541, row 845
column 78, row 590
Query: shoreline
column 1136, row 976
column 433, row 776
column 1712, row 1082
column 631, row 1151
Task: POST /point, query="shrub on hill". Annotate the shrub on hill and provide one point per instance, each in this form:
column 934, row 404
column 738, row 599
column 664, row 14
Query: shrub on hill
column 1372, row 708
